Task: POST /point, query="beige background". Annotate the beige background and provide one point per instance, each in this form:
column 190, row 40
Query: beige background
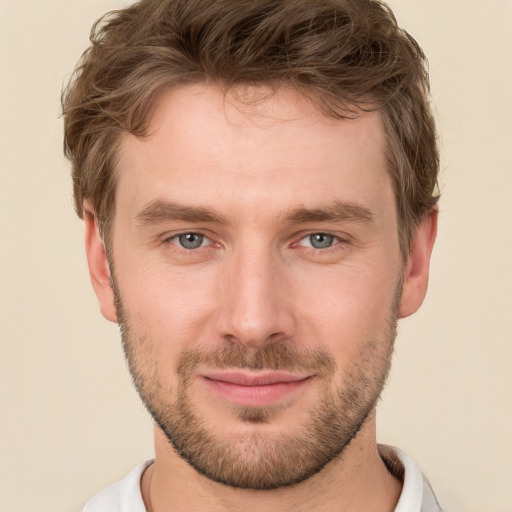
column 70, row 422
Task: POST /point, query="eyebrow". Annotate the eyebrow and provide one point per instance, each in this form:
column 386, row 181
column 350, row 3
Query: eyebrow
column 162, row 211
column 339, row 211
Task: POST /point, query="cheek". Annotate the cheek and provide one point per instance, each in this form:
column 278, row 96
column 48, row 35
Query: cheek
column 345, row 310
column 166, row 307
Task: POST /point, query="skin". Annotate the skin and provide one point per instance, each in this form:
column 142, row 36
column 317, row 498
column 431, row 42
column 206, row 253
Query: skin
column 256, row 279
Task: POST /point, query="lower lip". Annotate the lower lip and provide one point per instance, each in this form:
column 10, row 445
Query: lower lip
column 255, row 396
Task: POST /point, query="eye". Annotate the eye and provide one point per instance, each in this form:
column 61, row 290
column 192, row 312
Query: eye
column 319, row 240
column 190, row 240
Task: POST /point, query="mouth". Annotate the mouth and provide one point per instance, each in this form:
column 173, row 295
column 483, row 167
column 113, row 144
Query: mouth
column 254, row 388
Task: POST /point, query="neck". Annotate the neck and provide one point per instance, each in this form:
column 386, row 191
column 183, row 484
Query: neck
column 357, row 480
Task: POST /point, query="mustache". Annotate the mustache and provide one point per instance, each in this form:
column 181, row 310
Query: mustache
column 277, row 356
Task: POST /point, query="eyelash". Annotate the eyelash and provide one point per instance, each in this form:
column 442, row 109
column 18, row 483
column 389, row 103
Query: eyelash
column 174, row 240
column 336, row 240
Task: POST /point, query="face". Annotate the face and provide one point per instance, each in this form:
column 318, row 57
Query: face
column 257, row 276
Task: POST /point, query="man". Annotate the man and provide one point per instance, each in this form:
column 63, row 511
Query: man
column 257, row 181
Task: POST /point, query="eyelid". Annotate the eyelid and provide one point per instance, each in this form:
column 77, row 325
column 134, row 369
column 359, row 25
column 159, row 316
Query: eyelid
column 171, row 238
column 338, row 238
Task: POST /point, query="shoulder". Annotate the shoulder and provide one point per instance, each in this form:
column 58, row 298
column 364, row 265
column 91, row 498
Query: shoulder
column 122, row 496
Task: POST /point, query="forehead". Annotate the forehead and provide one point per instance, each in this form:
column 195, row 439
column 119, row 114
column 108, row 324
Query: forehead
column 251, row 146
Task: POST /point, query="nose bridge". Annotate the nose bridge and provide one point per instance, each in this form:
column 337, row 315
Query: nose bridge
column 253, row 308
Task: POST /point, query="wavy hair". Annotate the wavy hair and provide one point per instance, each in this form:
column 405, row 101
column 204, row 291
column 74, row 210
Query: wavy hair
column 344, row 55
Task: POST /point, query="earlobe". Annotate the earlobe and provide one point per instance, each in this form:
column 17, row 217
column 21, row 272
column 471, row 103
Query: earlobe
column 97, row 260
column 415, row 278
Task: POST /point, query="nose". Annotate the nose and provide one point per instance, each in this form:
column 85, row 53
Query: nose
column 254, row 307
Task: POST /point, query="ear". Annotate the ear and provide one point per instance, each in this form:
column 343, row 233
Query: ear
column 415, row 279
column 97, row 260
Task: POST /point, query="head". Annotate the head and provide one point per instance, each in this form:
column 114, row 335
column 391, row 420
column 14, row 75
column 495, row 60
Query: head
column 257, row 179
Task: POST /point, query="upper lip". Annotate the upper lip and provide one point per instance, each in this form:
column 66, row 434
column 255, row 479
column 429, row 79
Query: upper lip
column 254, row 378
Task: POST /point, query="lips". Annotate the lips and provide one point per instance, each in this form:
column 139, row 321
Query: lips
column 254, row 389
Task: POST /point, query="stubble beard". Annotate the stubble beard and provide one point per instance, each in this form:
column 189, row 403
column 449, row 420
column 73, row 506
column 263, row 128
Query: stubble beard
column 256, row 459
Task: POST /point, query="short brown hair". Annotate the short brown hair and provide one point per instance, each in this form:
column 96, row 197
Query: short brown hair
column 342, row 54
